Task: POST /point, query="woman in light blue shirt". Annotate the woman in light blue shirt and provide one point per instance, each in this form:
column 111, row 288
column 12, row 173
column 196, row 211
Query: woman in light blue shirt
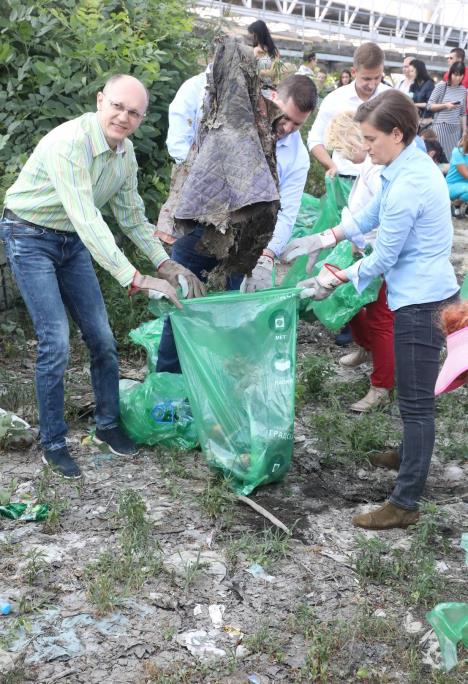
column 412, row 252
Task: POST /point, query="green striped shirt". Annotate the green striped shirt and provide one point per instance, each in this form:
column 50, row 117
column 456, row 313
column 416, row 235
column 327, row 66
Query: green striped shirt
column 70, row 176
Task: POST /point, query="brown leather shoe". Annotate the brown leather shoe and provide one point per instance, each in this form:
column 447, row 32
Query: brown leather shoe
column 386, row 459
column 386, row 517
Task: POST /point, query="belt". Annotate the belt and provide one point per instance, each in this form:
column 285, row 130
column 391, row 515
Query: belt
column 9, row 214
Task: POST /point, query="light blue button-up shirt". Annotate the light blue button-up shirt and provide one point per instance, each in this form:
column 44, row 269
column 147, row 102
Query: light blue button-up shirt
column 291, row 154
column 414, row 239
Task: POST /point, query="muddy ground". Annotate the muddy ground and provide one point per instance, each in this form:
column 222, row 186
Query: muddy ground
column 107, row 592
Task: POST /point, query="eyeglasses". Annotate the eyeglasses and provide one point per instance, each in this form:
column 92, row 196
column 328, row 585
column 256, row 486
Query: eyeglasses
column 133, row 115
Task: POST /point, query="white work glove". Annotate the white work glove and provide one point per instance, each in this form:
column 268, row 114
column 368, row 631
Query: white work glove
column 321, row 286
column 154, row 288
column 176, row 275
column 311, row 245
column 261, row 278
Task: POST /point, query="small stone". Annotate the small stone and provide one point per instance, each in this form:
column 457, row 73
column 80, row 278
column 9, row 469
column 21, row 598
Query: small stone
column 454, row 473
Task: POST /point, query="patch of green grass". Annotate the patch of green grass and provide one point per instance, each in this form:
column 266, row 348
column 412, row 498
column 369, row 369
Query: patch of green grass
column 351, row 438
column 265, row 548
column 217, row 498
column 322, row 640
column 265, row 640
column 451, row 435
column 53, row 490
column 117, row 572
column 413, row 571
column 312, row 375
column 36, row 565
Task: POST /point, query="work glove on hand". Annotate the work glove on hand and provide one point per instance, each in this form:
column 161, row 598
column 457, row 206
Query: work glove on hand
column 322, row 285
column 154, row 288
column 311, row 245
column 176, row 275
column 261, row 278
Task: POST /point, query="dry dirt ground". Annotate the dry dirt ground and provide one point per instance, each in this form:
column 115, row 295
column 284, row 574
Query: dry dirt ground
column 151, row 571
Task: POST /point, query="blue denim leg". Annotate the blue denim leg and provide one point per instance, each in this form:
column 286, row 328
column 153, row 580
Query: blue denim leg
column 82, row 296
column 53, row 270
column 418, row 342
column 184, row 252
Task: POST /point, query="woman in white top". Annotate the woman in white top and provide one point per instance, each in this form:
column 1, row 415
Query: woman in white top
column 448, row 103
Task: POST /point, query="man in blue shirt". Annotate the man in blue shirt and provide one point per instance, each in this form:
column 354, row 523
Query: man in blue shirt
column 296, row 97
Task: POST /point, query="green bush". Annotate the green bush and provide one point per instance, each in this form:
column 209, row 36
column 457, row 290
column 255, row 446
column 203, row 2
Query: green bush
column 55, row 57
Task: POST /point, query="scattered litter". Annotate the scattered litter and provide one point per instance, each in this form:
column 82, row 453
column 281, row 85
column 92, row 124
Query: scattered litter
column 450, row 623
column 5, row 608
column 234, row 632
column 453, row 473
column 216, row 612
column 258, row 572
column 464, row 545
column 442, row 566
column 380, row 613
column 254, row 678
column 200, row 644
column 30, row 512
column 15, row 432
column 198, row 610
column 242, row 651
column 411, row 625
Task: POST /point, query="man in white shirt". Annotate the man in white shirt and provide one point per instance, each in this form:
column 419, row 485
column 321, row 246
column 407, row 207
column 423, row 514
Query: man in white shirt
column 404, row 84
column 368, row 67
column 295, row 96
column 309, row 66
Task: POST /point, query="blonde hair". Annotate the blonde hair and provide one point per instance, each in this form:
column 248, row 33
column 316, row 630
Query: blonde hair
column 344, row 135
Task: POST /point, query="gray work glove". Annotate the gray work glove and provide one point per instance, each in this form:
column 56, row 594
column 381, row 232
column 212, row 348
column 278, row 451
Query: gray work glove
column 311, row 245
column 261, row 278
column 154, row 288
column 321, row 286
column 176, row 275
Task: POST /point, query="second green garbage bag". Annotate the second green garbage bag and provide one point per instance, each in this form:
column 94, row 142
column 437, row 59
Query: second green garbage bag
column 237, row 353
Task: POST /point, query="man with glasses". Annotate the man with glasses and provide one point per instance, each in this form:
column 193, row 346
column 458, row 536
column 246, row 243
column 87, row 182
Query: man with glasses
column 52, row 226
column 457, row 55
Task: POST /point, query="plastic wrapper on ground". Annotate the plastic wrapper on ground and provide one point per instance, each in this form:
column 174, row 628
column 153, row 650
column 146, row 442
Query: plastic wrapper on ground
column 450, row 623
column 237, row 353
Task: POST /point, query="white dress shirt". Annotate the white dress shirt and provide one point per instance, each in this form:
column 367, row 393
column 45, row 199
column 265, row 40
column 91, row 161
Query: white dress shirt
column 344, row 99
column 292, row 158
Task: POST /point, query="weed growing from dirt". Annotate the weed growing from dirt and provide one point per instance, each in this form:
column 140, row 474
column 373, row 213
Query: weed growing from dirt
column 217, row 498
column 265, row 641
column 265, row 548
column 118, row 572
column 36, row 565
column 322, row 640
column 312, row 376
column 451, row 436
column 192, row 570
column 413, row 571
column 351, row 438
column 53, row 490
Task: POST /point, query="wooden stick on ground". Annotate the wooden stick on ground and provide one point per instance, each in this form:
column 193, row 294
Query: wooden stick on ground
column 264, row 512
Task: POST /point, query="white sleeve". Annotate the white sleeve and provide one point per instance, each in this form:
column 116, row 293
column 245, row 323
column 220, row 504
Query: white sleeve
column 324, row 116
column 184, row 114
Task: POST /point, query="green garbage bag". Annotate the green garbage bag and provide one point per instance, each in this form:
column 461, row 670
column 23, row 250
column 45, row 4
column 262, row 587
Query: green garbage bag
column 450, row 623
column 464, row 288
column 148, row 335
column 237, row 353
column 331, row 205
column 344, row 303
column 25, row 512
column 309, row 211
column 157, row 411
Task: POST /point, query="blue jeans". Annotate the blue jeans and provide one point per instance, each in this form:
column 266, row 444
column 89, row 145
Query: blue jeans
column 54, row 272
column 184, row 252
column 418, row 342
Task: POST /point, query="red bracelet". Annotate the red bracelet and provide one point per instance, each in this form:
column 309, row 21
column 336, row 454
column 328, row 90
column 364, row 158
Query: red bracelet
column 269, row 256
column 333, row 270
column 336, row 239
